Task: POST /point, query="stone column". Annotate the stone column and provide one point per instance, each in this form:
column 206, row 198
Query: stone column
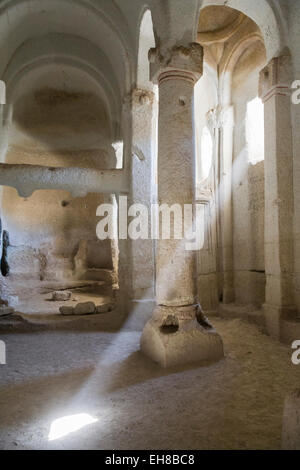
column 275, row 81
column 291, row 421
column 207, row 256
column 178, row 333
column 225, row 198
column 221, row 123
column 144, row 111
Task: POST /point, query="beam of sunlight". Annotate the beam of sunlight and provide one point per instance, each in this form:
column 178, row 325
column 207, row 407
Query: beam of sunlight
column 63, row 426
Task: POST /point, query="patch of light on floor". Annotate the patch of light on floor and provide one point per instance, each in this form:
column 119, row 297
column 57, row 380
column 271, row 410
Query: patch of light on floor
column 63, row 426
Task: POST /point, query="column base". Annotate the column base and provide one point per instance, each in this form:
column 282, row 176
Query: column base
column 274, row 315
column 291, row 421
column 180, row 335
column 228, row 295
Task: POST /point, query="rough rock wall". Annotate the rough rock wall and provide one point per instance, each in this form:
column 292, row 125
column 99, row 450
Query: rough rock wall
column 58, row 128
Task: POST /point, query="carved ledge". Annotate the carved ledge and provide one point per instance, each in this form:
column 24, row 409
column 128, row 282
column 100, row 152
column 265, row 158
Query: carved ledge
column 78, row 181
column 180, row 61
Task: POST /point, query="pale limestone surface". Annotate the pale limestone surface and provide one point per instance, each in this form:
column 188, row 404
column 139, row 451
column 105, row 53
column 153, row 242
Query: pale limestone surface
column 90, row 115
column 81, row 87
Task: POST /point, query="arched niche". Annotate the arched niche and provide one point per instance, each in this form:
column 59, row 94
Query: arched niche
column 263, row 15
column 146, row 42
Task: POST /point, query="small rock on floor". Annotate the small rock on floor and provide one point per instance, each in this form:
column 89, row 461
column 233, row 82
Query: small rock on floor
column 87, row 308
column 61, row 295
column 104, row 308
column 66, row 310
column 84, row 308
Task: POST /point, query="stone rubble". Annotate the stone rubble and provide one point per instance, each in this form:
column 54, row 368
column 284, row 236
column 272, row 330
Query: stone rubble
column 86, row 308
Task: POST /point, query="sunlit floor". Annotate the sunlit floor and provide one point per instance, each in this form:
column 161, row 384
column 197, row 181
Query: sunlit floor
column 94, row 390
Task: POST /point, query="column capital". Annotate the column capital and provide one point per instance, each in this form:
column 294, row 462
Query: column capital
column 275, row 78
column 142, row 96
column 178, row 62
column 138, row 96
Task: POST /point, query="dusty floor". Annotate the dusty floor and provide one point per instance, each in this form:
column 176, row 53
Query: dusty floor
column 34, row 299
column 235, row 404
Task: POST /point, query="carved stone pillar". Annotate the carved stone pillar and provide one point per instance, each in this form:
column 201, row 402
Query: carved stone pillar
column 221, row 120
column 177, row 333
column 207, row 256
column 225, row 197
column 275, row 92
column 144, row 111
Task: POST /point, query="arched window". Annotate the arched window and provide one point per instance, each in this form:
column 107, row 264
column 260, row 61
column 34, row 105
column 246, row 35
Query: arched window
column 2, row 92
column 255, row 131
column 146, row 42
column 206, row 154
